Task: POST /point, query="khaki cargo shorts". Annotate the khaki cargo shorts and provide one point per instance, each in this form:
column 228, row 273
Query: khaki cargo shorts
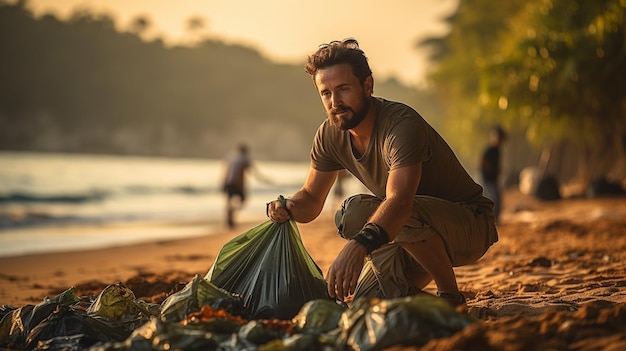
column 467, row 230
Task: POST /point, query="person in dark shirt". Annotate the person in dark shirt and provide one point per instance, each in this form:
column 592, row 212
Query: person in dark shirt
column 422, row 199
column 490, row 168
column 234, row 183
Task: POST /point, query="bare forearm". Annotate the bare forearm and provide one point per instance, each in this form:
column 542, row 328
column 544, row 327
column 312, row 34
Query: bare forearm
column 396, row 209
column 392, row 214
column 307, row 203
column 306, row 207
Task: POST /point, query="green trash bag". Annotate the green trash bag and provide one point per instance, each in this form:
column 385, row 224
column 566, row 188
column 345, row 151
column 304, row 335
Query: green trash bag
column 17, row 323
column 269, row 267
column 197, row 293
column 375, row 324
column 383, row 274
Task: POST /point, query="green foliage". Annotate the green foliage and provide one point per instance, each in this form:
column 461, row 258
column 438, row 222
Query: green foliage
column 555, row 79
column 460, row 56
column 548, row 68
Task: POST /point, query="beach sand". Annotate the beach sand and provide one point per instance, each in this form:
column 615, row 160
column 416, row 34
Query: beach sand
column 555, row 280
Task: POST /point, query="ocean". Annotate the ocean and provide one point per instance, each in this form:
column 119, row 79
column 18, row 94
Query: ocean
column 60, row 202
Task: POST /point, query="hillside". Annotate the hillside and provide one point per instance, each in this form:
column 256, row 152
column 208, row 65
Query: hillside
column 82, row 86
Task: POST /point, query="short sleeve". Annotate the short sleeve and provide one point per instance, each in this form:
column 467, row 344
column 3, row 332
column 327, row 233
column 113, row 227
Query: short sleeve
column 323, row 151
column 406, row 143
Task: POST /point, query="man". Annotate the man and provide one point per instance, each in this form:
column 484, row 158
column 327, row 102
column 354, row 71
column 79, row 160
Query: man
column 234, row 183
column 490, row 168
column 428, row 203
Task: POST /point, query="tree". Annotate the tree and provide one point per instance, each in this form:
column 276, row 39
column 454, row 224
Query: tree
column 541, row 67
column 553, row 80
column 476, row 29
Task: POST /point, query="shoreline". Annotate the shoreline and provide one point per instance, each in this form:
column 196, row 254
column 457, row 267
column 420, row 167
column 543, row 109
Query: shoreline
column 75, row 236
column 68, row 237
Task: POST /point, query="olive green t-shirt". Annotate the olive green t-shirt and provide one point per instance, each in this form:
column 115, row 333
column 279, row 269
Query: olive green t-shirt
column 401, row 137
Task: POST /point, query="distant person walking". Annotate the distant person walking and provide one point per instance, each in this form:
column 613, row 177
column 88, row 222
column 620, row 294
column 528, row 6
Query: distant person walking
column 234, row 183
column 490, row 169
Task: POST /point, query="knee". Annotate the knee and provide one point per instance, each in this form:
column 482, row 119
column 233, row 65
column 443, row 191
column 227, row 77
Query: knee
column 354, row 212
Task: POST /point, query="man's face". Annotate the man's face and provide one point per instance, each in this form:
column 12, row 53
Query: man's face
column 345, row 99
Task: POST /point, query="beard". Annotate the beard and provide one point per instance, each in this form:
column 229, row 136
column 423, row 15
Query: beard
column 352, row 119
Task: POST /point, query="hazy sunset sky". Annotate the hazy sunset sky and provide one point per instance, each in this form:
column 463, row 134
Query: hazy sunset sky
column 288, row 30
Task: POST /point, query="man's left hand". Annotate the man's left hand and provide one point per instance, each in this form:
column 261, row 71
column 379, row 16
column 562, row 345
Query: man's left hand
column 344, row 272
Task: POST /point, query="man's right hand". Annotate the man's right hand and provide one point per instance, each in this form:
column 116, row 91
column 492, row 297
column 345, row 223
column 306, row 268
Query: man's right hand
column 343, row 274
column 277, row 212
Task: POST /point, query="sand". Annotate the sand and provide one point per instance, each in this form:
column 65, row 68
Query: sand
column 555, row 280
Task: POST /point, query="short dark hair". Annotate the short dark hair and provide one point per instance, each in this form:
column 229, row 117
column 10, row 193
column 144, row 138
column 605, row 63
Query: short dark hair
column 337, row 52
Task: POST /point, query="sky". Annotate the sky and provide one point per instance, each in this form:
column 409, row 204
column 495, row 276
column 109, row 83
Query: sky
column 287, row 31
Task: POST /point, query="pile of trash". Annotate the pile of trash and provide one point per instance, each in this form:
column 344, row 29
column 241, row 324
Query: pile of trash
column 204, row 317
column 263, row 292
